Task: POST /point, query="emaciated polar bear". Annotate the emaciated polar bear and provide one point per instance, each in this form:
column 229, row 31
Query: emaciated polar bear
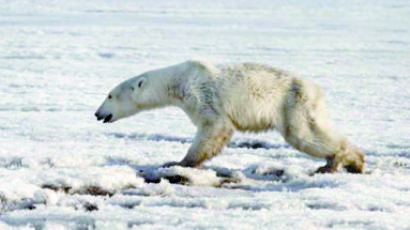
column 220, row 99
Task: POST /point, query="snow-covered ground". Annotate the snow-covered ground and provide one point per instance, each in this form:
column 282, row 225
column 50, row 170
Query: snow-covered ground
column 60, row 169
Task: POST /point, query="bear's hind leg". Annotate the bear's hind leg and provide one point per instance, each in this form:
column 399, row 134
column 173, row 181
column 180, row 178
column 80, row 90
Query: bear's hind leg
column 338, row 153
column 308, row 129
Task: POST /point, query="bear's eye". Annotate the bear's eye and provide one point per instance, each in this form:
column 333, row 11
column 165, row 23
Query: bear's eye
column 109, row 96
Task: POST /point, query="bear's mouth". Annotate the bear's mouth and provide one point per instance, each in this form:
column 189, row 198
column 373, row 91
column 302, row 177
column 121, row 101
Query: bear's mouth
column 107, row 118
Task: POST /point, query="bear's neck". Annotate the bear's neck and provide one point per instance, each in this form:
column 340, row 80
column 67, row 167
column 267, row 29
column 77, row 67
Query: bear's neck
column 169, row 88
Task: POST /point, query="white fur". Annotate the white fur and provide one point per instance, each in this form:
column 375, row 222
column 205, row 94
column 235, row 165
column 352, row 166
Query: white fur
column 220, row 99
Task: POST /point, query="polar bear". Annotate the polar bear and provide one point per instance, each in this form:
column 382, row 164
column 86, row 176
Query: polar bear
column 220, row 99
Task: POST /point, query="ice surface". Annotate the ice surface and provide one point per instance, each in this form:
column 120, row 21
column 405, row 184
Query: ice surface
column 60, row 169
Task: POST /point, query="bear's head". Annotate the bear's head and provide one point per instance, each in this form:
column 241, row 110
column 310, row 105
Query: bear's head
column 125, row 100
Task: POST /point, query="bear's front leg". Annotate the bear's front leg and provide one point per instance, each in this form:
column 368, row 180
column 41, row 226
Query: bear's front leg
column 209, row 141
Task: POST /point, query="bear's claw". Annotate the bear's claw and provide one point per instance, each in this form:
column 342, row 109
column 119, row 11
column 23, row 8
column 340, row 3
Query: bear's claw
column 329, row 167
column 324, row 169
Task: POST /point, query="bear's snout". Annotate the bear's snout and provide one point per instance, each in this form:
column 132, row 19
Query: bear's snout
column 106, row 118
column 98, row 116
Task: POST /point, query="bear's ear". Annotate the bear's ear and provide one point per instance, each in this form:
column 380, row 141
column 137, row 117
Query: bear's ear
column 141, row 82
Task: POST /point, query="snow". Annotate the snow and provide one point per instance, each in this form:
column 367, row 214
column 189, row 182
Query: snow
column 60, row 169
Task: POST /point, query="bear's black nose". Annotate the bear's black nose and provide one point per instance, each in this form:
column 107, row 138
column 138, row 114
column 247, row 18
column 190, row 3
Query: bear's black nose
column 98, row 116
